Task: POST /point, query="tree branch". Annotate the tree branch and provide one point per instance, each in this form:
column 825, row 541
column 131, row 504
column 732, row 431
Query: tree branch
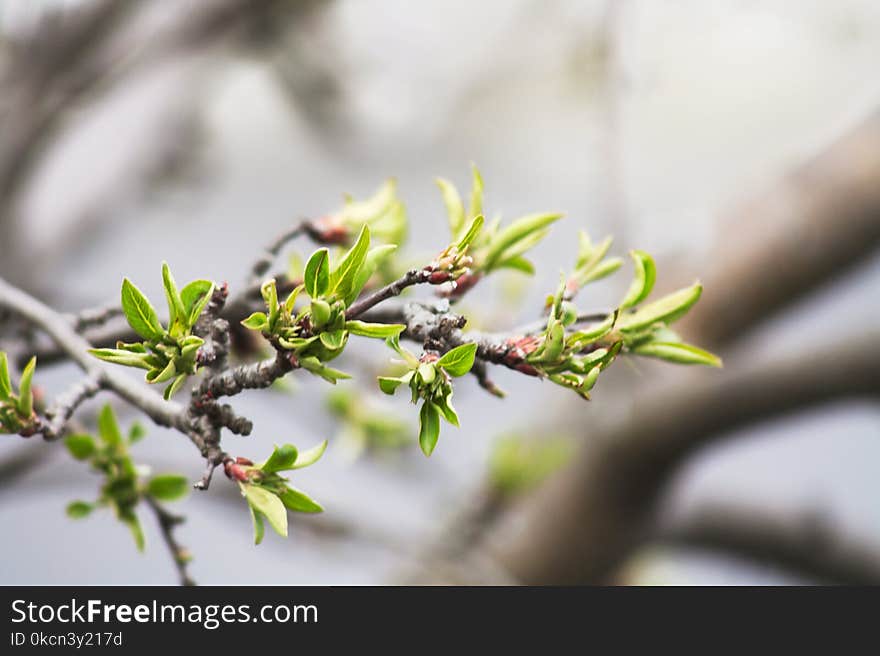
column 807, row 546
column 602, row 500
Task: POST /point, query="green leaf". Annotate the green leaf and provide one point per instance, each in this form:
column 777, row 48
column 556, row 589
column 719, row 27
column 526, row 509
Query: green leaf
column 601, row 270
column 429, row 427
column 379, row 330
column 313, row 365
column 517, row 263
column 123, row 357
column 282, row 458
column 299, row 501
column 108, row 427
column 667, row 309
column 473, row 230
column 581, row 338
column 476, row 206
column 136, row 433
column 259, row 525
column 79, row 509
column 678, row 353
column 168, row 487
column 334, row 340
column 81, row 447
column 444, row 405
column 643, row 282
column 342, row 277
column 156, row 376
column 389, row 385
column 427, row 372
column 174, row 387
column 257, row 321
column 172, row 296
column 269, row 292
column 516, row 231
column 454, row 206
column 269, row 505
column 310, row 456
column 320, row 312
column 195, row 297
column 458, row 361
column 139, row 313
column 25, row 396
column 317, row 274
column 5, row 383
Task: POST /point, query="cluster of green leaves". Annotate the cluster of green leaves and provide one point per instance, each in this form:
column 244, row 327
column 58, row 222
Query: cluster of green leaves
column 123, row 487
column 562, row 355
column 319, row 331
column 575, row 358
column 519, row 464
column 366, row 426
column 269, row 496
column 591, row 263
column 384, row 213
column 16, row 410
column 495, row 247
column 167, row 353
column 430, row 379
column 645, row 330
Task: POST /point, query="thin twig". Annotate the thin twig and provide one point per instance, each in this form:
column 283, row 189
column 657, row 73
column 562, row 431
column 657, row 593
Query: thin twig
column 410, row 278
column 167, row 523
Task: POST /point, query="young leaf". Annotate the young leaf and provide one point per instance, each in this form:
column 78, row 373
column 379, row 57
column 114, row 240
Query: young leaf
column 454, row 206
column 516, row 231
column 667, row 309
column 195, row 297
column 172, row 296
column 136, row 433
column 429, row 427
column 259, row 525
column 320, row 312
column 257, row 321
column 678, row 353
column 310, row 456
column 80, row 446
column 458, row 361
column 25, row 396
column 79, row 509
column 342, row 277
column 108, row 427
column 427, row 372
column 476, row 206
column 282, row 458
column 168, row 487
column 174, row 387
column 123, row 357
column 317, row 274
column 389, row 385
column 269, row 505
column 444, row 405
column 379, row 330
column 139, row 313
column 5, row 383
column 473, row 230
column 643, row 282
column 299, row 501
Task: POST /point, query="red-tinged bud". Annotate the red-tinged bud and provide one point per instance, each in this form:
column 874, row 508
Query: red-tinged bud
column 243, row 461
column 429, row 356
column 439, row 277
column 571, row 287
column 527, row 369
column 462, row 285
column 329, row 230
column 235, row 471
